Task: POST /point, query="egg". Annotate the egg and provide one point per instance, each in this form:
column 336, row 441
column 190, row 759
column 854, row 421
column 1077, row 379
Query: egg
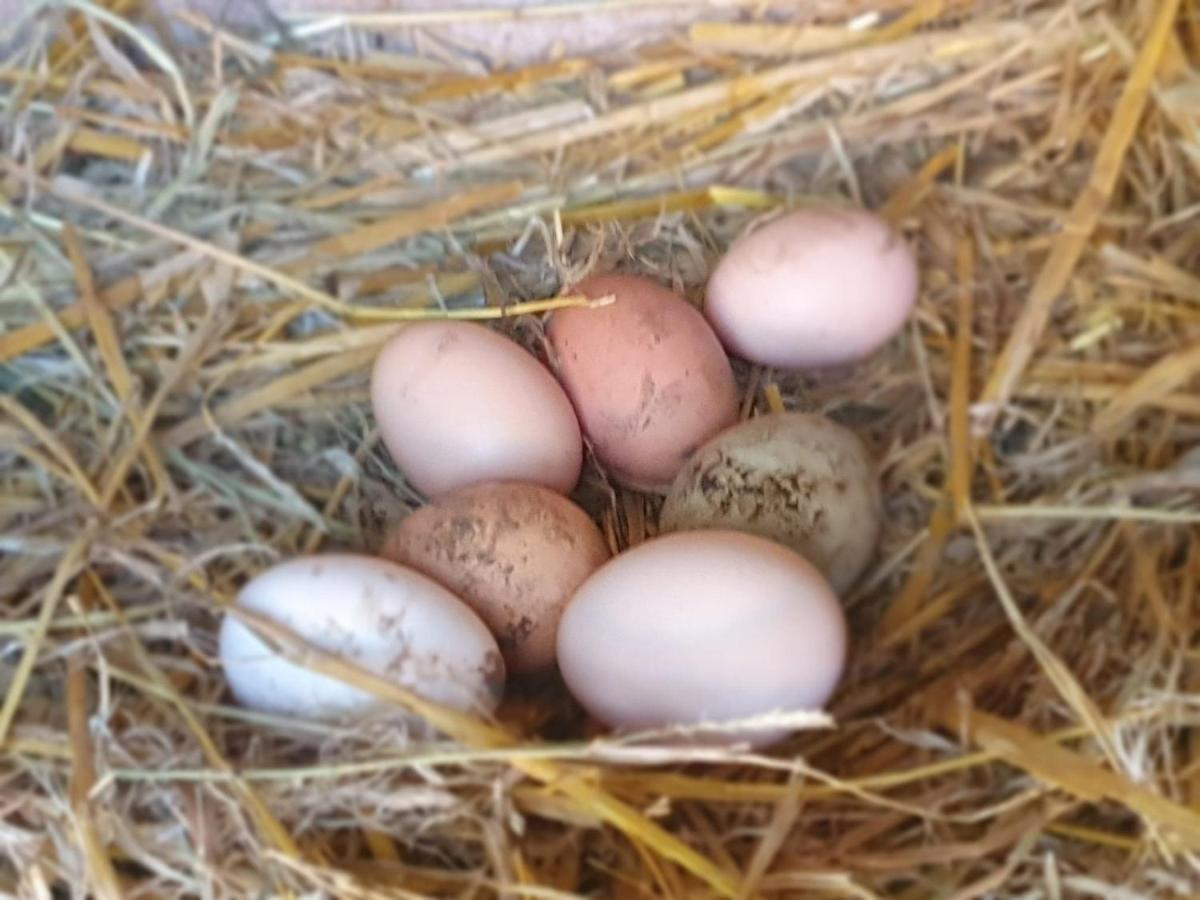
column 815, row 288
column 515, row 553
column 647, row 376
column 702, row 627
column 799, row 479
column 457, row 404
column 390, row 620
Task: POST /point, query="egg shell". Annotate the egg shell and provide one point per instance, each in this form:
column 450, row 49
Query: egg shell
column 515, row 553
column 701, row 627
column 647, row 376
column 390, row 620
column 818, row 287
column 458, row 404
column 797, row 478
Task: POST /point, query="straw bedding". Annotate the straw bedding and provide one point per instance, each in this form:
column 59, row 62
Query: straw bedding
column 203, row 246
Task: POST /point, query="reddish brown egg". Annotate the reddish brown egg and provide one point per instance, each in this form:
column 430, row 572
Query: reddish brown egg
column 646, row 374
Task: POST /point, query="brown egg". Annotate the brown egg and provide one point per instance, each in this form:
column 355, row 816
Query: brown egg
column 513, row 552
column 647, row 376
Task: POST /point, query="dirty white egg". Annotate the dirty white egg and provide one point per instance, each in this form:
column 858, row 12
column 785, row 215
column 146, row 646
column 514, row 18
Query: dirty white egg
column 385, row 618
column 458, row 404
column 515, row 553
column 702, row 627
column 814, row 288
column 797, row 478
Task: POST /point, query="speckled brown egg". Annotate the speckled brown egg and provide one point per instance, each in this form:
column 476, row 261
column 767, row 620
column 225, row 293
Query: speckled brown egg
column 514, row 552
column 647, row 376
column 799, row 479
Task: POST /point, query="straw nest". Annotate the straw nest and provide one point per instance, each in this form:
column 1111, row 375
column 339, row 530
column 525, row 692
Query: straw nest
column 204, row 246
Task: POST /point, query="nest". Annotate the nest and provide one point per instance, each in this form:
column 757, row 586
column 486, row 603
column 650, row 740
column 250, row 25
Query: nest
column 203, row 247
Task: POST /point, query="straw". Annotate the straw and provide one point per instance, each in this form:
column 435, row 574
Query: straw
column 204, row 244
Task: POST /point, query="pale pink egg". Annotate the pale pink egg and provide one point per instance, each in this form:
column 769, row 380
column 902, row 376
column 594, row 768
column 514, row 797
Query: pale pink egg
column 817, row 287
column 702, row 627
column 458, row 404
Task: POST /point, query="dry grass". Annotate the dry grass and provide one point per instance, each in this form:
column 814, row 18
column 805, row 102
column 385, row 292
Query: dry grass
column 202, row 249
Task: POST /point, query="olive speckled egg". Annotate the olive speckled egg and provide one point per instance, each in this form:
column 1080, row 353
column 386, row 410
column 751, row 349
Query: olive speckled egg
column 514, row 552
column 799, row 479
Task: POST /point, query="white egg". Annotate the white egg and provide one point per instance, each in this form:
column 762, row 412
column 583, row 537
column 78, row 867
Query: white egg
column 381, row 616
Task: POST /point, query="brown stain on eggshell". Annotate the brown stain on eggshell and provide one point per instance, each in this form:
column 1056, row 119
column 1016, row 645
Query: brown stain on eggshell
column 513, row 552
column 492, row 672
column 799, row 479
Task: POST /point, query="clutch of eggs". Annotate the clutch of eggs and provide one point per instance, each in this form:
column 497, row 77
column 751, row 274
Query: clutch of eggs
column 731, row 616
